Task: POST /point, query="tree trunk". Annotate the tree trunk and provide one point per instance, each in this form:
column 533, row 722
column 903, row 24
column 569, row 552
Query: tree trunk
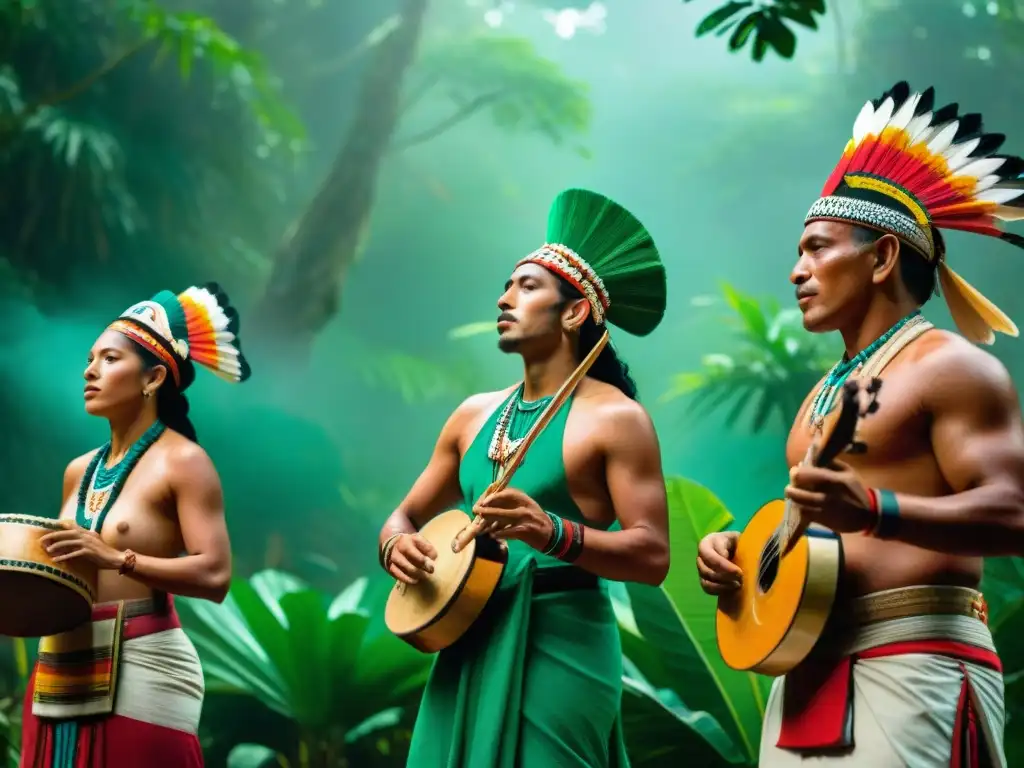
column 310, row 265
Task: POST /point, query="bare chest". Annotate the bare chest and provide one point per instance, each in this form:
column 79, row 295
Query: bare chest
column 140, row 518
column 897, row 432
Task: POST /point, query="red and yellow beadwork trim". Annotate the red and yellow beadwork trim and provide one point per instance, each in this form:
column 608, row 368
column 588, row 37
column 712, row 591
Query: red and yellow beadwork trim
column 133, row 331
column 567, row 263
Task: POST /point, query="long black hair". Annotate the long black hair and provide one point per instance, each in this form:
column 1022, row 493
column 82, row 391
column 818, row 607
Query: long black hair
column 608, row 367
column 171, row 403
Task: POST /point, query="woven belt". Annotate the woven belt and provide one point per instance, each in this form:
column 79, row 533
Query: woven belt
column 919, row 601
column 145, row 606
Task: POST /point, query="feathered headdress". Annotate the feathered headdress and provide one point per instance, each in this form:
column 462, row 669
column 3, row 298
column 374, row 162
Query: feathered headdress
column 911, row 170
column 198, row 325
column 609, row 256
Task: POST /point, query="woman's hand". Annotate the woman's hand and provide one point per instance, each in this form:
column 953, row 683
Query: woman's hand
column 75, row 542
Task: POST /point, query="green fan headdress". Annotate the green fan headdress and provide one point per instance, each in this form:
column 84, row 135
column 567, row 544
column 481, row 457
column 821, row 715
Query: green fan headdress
column 609, row 256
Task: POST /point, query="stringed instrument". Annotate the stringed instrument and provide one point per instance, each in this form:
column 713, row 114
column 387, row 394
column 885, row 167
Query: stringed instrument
column 435, row 612
column 791, row 570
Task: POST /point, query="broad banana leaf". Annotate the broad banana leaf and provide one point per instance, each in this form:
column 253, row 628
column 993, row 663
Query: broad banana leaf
column 678, row 622
column 307, row 658
column 661, row 730
column 1003, row 587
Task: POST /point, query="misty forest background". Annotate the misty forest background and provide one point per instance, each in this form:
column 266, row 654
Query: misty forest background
column 360, row 177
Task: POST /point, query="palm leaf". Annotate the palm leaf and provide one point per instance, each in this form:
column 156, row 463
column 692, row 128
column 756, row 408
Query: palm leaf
column 678, row 621
column 308, row 657
column 765, row 377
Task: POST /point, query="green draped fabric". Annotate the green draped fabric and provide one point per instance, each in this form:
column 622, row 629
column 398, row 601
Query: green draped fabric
column 537, row 681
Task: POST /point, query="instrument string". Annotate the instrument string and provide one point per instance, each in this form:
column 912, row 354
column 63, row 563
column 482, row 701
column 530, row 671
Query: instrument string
column 894, row 341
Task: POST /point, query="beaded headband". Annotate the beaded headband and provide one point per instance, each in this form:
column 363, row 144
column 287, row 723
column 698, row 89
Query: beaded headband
column 570, row 265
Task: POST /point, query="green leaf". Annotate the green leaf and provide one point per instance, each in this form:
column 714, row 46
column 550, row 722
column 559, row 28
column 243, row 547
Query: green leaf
column 774, row 364
column 749, row 311
column 779, row 35
column 252, row 756
column 660, row 728
column 743, row 30
column 718, row 17
column 387, row 718
column 678, row 620
column 307, row 657
column 310, row 647
column 800, row 14
column 1003, row 587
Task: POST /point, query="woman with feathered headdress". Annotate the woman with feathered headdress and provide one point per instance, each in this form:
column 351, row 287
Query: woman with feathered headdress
column 146, row 510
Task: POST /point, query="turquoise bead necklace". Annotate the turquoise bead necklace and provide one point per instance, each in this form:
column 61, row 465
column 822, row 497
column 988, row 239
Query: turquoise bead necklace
column 101, row 484
column 825, row 400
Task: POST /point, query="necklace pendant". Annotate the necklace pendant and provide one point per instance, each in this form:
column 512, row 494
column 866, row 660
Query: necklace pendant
column 97, row 500
column 508, row 448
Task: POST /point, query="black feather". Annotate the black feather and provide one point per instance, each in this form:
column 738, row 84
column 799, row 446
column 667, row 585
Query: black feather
column 1011, row 168
column 1013, row 239
column 900, row 93
column 926, row 103
column 969, row 128
column 989, row 143
column 945, row 114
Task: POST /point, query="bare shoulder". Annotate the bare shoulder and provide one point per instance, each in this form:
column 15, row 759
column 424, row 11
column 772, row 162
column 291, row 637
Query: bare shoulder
column 75, row 471
column 476, row 404
column 186, row 460
column 624, row 420
column 949, row 365
column 470, row 410
column 77, row 466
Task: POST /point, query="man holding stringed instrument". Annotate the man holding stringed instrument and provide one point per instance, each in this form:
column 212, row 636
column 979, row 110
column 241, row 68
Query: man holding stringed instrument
column 535, row 679
column 892, row 662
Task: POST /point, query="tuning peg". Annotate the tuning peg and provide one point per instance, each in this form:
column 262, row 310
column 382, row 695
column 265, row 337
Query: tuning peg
column 856, row 448
column 871, row 407
column 874, row 386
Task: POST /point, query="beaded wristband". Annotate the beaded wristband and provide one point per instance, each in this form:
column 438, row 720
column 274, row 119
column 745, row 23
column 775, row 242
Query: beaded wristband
column 872, row 525
column 572, row 544
column 576, row 545
column 384, row 556
column 557, row 533
column 888, row 514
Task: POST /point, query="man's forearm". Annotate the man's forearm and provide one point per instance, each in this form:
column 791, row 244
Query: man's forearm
column 636, row 554
column 983, row 522
column 188, row 576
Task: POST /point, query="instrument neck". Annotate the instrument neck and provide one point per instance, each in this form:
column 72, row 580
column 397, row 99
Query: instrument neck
column 556, row 402
column 793, row 524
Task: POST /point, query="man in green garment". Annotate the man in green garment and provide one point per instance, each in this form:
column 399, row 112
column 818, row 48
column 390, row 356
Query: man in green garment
column 537, row 681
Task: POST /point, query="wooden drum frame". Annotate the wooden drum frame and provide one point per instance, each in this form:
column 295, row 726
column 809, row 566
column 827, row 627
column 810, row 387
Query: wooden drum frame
column 39, row 597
